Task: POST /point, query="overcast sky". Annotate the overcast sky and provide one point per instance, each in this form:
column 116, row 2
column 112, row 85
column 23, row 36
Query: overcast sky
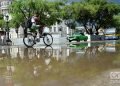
column 115, row 0
column 109, row 0
column 69, row 1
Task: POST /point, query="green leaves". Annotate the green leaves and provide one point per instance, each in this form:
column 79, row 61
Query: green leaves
column 49, row 11
column 2, row 22
column 93, row 13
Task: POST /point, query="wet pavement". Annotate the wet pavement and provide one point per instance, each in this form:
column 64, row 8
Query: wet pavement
column 84, row 64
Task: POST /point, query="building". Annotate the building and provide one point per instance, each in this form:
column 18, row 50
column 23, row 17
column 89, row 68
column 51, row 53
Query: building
column 4, row 6
column 60, row 29
column 110, row 34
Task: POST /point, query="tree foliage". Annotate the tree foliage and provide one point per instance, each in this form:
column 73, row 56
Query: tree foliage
column 1, row 22
column 49, row 11
column 93, row 14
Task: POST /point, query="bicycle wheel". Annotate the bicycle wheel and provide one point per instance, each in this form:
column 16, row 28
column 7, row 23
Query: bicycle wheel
column 29, row 40
column 48, row 39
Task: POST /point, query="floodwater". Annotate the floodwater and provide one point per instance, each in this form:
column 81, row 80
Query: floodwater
column 85, row 64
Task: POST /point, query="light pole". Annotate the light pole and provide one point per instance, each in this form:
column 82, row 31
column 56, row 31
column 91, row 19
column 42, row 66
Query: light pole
column 7, row 28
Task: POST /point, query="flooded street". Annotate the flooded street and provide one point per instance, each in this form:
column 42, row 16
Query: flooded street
column 85, row 64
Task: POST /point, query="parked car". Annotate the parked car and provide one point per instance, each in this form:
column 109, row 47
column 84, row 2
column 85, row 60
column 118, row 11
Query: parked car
column 111, row 37
column 77, row 36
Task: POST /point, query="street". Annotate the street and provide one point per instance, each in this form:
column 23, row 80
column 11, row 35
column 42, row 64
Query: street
column 61, row 65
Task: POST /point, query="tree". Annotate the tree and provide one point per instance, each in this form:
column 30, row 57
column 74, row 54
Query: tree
column 23, row 9
column 116, row 23
column 94, row 14
column 1, row 22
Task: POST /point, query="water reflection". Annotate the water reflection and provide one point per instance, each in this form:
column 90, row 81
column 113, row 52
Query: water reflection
column 59, row 52
column 57, row 65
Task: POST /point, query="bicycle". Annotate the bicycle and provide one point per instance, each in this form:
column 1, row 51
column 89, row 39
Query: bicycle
column 32, row 38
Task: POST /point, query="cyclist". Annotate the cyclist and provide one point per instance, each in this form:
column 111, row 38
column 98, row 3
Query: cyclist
column 36, row 23
column 36, row 28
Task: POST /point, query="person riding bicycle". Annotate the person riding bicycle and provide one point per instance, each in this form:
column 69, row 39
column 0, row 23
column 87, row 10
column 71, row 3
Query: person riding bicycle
column 36, row 23
column 35, row 20
column 36, row 28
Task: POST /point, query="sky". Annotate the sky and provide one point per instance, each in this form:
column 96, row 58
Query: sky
column 117, row 1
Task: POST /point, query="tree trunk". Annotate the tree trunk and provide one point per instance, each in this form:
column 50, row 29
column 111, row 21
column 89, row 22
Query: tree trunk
column 91, row 32
column 97, row 28
column 97, row 32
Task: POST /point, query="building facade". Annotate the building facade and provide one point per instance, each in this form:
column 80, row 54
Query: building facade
column 60, row 29
column 4, row 6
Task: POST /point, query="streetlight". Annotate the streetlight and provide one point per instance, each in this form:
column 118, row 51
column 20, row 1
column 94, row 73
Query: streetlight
column 6, row 18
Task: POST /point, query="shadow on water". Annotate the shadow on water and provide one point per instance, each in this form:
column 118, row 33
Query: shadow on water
column 71, row 65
